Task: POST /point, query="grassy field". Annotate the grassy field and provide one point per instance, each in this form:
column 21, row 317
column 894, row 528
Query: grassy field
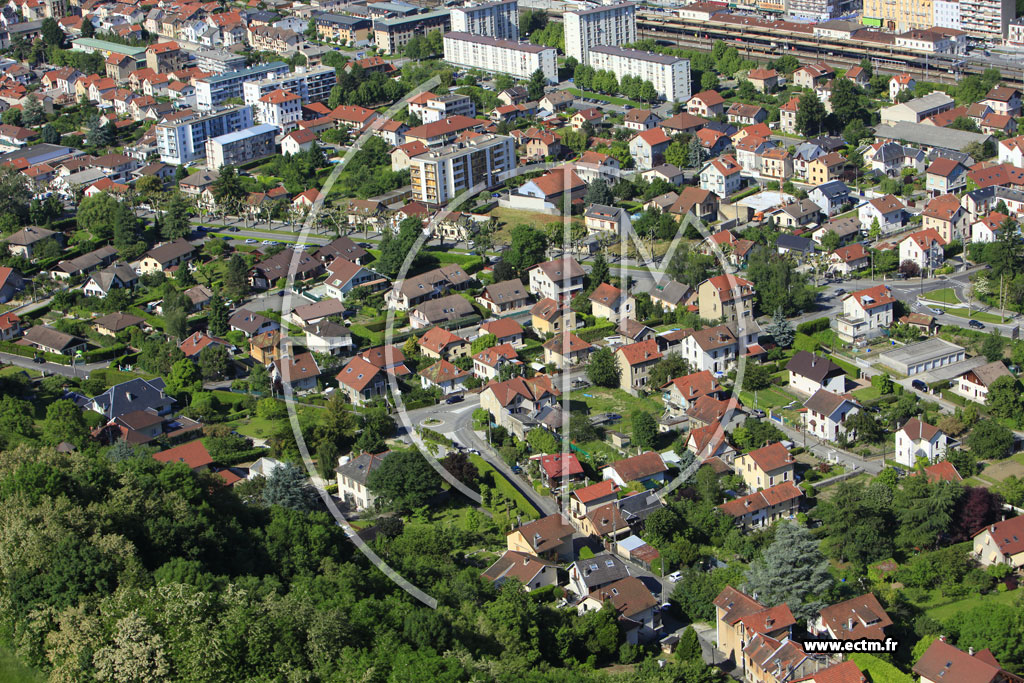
column 621, row 101
column 513, row 217
column 13, row 671
column 937, row 609
column 867, row 393
column 946, row 295
column 976, row 315
column 602, row 400
column 771, row 397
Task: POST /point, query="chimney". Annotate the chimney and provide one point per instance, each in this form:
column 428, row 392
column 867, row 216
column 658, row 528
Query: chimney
column 849, row 623
column 970, row 651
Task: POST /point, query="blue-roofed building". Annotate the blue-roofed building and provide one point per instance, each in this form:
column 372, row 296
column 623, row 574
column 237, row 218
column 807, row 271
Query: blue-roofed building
column 127, row 397
column 241, row 146
column 214, row 90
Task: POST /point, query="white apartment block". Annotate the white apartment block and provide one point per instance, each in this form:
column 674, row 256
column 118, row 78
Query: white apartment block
column 279, row 108
column 947, row 14
column 311, row 85
column 241, row 147
column 500, row 56
column 443, row 107
column 670, row 75
column 987, row 18
column 183, row 140
column 214, row 90
column 440, row 175
column 218, row 61
column 495, row 19
column 608, row 25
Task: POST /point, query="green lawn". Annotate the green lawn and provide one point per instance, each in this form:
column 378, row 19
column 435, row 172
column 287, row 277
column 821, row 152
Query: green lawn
column 771, row 397
column 976, row 315
column 513, row 217
column 946, row 295
column 621, row 101
column 13, row 671
column 944, row 610
column 867, row 393
column 599, row 452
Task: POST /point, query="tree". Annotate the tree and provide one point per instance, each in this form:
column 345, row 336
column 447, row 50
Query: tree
column 924, row 512
column 236, row 280
column 993, row 346
column 598, row 192
column 482, row 342
column 671, row 366
column 864, row 427
column 288, row 487
column 602, row 369
column 688, row 648
column 227, row 189
column 259, row 380
column 756, row 377
column 176, row 217
column 33, row 114
column 995, row 627
column 88, row 30
column 676, row 154
column 184, row 378
column 695, row 152
column 1004, row 397
column 811, row 114
column 535, row 86
column 781, row 329
column 64, row 422
column 403, row 480
column 217, row 318
column 910, row 268
column 645, row 430
column 599, row 271
column 792, row 571
column 845, row 101
column 459, row 466
column 214, row 361
column 526, row 248
column 990, row 440
column 851, row 521
column 12, row 117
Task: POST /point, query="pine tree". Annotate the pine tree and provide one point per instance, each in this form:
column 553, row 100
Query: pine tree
column 781, row 329
column 288, row 487
column 696, row 152
column 792, row 571
column 689, row 646
column 217, row 320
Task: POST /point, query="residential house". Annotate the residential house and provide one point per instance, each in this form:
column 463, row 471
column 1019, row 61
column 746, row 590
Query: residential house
column 891, row 158
column 11, row 282
column 640, row 119
column 810, row 373
column 942, row 662
column 530, row 571
column 680, row 394
column 862, row 617
column 517, row 397
column 566, row 350
column 586, row 576
column 117, row 276
column 714, row 349
column 944, row 215
column 825, row 168
column 549, row 538
column 581, row 118
column 739, row 617
column 560, row 279
column 447, row 309
column 300, row 372
column 505, row 331
column 193, row 454
column 487, row 364
column 771, row 660
column 10, row 327
column 918, row 439
column 825, row 414
column 328, row 337
column 763, row 80
column 973, row 384
column 593, row 165
column 552, row 317
column 362, row 381
column 812, row 75
column 352, row 476
column 25, row 241
column 635, row 362
column 438, row 342
column 50, row 340
column 559, row 469
column 444, row 376
column 721, row 176
column 777, row 164
column 648, row 148
column 709, row 442
column 611, row 303
column 725, row 297
column 765, row 507
column 765, row 467
column 887, row 212
column 126, row 397
column 411, row 291
column 945, row 176
column 636, row 608
column 643, row 469
column 746, row 114
column 707, row 104
column 846, row 260
column 670, row 295
column 1003, row 100
column 164, row 257
column 986, row 228
column 865, row 314
column 610, row 220
column 1001, row 543
column 901, row 83
column 830, row 197
column 504, row 297
column 923, row 248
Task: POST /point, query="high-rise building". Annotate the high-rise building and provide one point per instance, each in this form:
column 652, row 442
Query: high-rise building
column 215, row 90
column 987, row 18
column 608, row 25
column 947, row 14
column 391, row 35
column 311, row 85
column 500, row 56
column 440, row 175
column 243, row 146
column 669, row 75
column 495, row 19
column 181, row 138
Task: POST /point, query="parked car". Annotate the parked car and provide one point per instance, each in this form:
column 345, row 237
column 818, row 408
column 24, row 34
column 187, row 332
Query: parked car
column 976, row 324
column 919, row 385
column 516, row 469
column 251, row 241
column 757, row 413
column 457, row 398
column 935, row 311
column 675, row 576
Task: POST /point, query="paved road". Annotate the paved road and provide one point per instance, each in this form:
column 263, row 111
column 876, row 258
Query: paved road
column 79, row 370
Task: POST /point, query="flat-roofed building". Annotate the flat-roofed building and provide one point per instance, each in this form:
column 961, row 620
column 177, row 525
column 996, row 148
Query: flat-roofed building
column 391, row 35
column 495, row 19
column 242, row 146
column 214, row 90
column 670, row 75
column 605, row 25
column 440, row 175
column 500, row 56
column 182, row 139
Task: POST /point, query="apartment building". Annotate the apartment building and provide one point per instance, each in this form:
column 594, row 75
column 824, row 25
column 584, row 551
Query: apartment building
column 343, row 28
column 214, row 90
column 218, row 61
column 440, row 175
column 436, row 107
column 901, row 15
column 256, row 142
column 182, row 139
column 495, row 19
column 279, row 108
column 606, row 25
column 500, row 56
column 987, row 18
column 391, row 35
column 311, row 85
column 669, row 75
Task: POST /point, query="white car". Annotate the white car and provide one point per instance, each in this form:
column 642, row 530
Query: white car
column 266, row 242
column 250, row 241
column 675, row 576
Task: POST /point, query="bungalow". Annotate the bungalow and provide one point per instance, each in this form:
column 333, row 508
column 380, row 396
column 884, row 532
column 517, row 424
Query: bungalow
column 49, row 340
column 530, row 571
column 643, row 468
column 251, row 324
column 918, row 439
column 163, row 257
column 444, row 376
column 973, row 384
column 505, row 331
column 766, row 467
column 567, row 350
column 300, row 372
column 763, row 508
column 809, row 373
column 447, row 309
column 825, row 413
column 504, row 297
column 193, row 454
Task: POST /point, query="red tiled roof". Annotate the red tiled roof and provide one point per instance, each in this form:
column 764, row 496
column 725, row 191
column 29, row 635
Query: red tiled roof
column 193, row 454
column 557, row 465
column 603, row 488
